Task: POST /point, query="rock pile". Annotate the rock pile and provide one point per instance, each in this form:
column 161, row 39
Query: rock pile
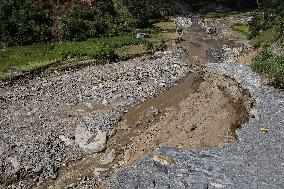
column 50, row 121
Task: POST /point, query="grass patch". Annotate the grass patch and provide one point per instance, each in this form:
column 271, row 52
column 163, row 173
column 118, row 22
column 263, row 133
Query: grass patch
column 20, row 59
column 166, row 26
column 220, row 14
column 155, row 42
column 270, row 66
column 243, row 28
column 265, row 37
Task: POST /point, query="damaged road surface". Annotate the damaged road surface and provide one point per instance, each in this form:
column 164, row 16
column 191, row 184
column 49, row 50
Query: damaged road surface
column 145, row 123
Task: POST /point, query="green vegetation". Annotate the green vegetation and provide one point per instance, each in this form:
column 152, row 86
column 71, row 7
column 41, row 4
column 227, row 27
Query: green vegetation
column 220, row 14
column 243, row 28
column 269, row 20
column 265, row 37
column 271, row 66
column 266, row 28
column 31, row 57
column 205, row 6
column 167, row 26
column 28, row 58
column 40, row 21
column 37, row 34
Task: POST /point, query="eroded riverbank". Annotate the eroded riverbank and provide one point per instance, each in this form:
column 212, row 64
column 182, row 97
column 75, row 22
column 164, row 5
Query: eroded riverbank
column 58, row 121
column 254, row 161
column 201, row 111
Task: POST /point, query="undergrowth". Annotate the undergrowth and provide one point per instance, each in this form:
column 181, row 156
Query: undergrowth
column 271, row 66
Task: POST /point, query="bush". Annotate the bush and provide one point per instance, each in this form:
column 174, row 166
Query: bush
column 23, row 23
column 28, row 21
column 27, row 58
column 271, row 66
column 162, row 46
column 259, row 63
column 255, row 25
column 265, row 37
column 145, row 10
column 87, row 48
column 149, row 46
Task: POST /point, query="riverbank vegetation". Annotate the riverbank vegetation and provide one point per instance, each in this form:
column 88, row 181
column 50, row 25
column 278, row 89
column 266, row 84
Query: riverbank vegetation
column 267, row 29
column 243, row 28
column 36, row 34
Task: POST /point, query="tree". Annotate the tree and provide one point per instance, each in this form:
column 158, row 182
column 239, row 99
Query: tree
column 23, row 23
column 255, row 25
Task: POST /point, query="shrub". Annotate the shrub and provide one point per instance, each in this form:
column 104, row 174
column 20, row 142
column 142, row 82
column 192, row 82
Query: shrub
column 23, row 23
column 259, row 63
column 149, row 46
column 255, row 25
column 271, row 66
column 162, row 46
column 265, row 37
column 145, row 10
column 86, row 48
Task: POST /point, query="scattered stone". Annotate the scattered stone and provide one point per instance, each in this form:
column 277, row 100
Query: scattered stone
column 105, row 103
column 97, row 171
column 15, row 163
column 255, row 161
column 67, row 141
column 89, row 105
column 254, row 113
column 109, row 157
column 166, row 160
column 2, row 150
column 90, row 142
column 41, row 115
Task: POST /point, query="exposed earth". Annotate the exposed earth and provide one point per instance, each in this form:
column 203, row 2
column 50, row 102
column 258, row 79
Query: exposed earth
column 134, row 124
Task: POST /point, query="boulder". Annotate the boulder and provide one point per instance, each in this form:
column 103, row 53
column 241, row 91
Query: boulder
column 90, row 142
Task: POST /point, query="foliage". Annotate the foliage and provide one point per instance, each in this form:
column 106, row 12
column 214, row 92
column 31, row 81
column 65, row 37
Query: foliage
column 220, row 14
column 23, row 23
column 243, row 28
column 272, row 66
column 27, row 58
column 166, row 26
column 205, row 6
column 270, row 18
column 265, row 37
column 145, row 10
column 259, row 63
column 35, row 21
column 255, row 25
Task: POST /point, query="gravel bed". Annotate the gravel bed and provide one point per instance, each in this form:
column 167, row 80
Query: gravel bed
column 47, row 122
column 255, row 161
